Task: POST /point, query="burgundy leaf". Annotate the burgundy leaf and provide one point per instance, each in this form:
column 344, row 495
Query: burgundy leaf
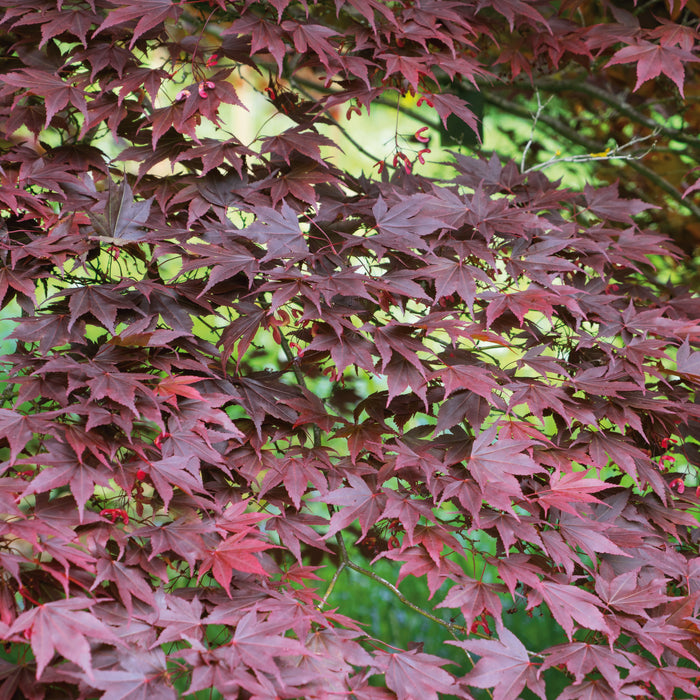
column 413, row 675
column 63, row 627
column 504, row 666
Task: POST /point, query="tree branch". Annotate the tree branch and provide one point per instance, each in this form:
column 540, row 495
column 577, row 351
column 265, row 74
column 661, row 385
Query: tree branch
column 619, row 105
column 590, row 145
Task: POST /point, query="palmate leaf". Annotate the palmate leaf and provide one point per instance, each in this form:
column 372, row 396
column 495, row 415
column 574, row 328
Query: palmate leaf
column 18, row 429
column 654, row 59
column 180, row 472
column 238, row 350
column 141, row 676
column 504, row 665
column 361, row 503
column 494, row 464
column 58, row 93
column 414, row 675
column 258, row 642
column 569, row 604
column 474, row 598
column 236, row 552
column 581, row 658
column 567, row 489
column 280, row 231
column 147, row 13
column 295, row 474
column 123, row 218
column 63, row 627
column 403, row 225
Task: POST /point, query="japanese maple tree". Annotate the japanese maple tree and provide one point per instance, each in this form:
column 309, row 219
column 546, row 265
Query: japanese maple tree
column 240, row 361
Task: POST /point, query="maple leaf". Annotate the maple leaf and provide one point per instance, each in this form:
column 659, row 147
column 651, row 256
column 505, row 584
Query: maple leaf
column 66, row 469
column 279, row 231
column 403, row 225
column 142, row 676
column 183, row 473
column 665, row 680
column 183, row 536
column 257, row 643
column 567, row 489
column 361, row 501
column 597, row 689
column 455, row 277
column 101, row 303
column 462, row 405
column 476, row 379
column 397, row 338
column 241, row 332
column 314, row 38
column 606, row 203
column 18, row 429
column 124, row 218
column 474, row 598
column 236, row 552
column 409, row 67
column 480, row 331
column 494, row 463
column 305, row 143
column 263, row 396
column 402, row 374
column 687, row 362
column 625, row 593
column 516, row 9
column 587, row 534
column 264, row 36
column 149, row 13
column 172, row 387
column 568, row 604
column 57, row 92
column 446, row 104
column 296, row 474
column 362, row 436
column 294, row 528
column 417, row 676
column 420, row 562
column 504, row 666
column 654, row 59
column 77, row 22
column 63, row 627
column 580, row 658
column 180, row 619
column 129, row 580
column 406, row 510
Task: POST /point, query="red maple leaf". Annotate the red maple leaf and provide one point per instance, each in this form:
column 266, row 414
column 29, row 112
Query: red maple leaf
column 569, row 603
column 63, row 627
column 235, row 553
column 568, row 489
column 361, row 503
column 504, row 666
column 149, row 13
column 580, row 658
column 413, row 675
column 654, row 59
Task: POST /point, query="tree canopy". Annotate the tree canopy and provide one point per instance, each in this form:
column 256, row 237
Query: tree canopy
column 241, row 359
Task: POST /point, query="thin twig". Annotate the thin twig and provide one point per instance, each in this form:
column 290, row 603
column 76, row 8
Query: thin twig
column 416, row 608
column 609, row 154
column 590, row 145
column 299, row 376
column 450, row 626
column 535, row 119
column 297, row 82
column 331, row 586
column 619, row 105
